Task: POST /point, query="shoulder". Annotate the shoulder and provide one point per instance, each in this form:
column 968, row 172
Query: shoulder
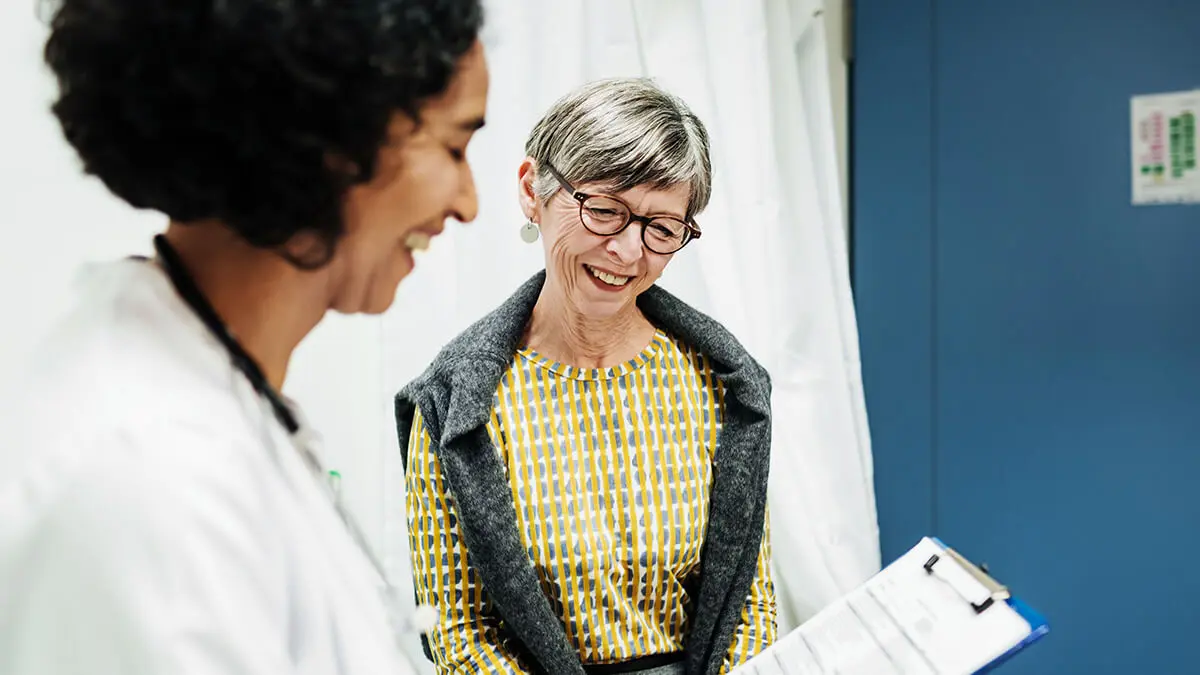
column 110, row 371
column 702, row 333
column 135, row 485
column 124, row 382
column 676, row 353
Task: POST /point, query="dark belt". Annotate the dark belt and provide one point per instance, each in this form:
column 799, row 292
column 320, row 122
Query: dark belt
column 641, row 663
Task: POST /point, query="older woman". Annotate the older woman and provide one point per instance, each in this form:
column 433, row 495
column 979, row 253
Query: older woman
column 587, row 466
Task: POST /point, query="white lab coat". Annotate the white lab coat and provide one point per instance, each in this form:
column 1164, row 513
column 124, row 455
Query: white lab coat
column 154, row 516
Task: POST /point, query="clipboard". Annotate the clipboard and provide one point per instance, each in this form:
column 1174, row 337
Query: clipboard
column 1040, row 628
column 930, row 612
column 997, row 592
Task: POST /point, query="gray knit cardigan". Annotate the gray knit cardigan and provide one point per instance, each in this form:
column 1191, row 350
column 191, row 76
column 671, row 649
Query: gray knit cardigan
column 455, row 396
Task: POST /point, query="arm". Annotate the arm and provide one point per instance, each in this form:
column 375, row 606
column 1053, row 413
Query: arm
column 466, row 637
column 757, row 630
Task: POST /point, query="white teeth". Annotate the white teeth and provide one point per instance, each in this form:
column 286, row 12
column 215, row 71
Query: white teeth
column 417, row 241
column 610, row 279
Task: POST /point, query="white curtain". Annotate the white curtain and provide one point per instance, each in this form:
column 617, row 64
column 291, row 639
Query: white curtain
column 772, row 265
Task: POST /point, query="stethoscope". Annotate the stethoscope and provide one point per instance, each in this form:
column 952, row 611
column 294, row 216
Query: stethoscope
column 402, row 624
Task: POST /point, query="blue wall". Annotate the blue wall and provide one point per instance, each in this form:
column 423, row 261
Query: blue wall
column 1030, row 340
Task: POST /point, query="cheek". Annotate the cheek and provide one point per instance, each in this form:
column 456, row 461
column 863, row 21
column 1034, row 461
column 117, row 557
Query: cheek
column 404, row 194
column 563, row 256
column 371, row 213
column 566, row 240
column 403, row 203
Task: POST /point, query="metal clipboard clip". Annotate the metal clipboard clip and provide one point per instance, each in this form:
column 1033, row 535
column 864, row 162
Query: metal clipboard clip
column 972, row 583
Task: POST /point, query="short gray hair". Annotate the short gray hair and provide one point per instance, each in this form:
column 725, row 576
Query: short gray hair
column 623, row 132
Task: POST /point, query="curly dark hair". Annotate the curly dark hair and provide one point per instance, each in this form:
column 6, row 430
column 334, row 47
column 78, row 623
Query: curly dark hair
column 258, row 113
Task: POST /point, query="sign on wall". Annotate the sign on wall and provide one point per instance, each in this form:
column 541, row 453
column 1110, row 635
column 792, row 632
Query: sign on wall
column 1164, row 148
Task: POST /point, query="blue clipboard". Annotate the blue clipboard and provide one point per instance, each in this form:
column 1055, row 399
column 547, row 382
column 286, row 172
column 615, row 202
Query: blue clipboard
column 1038, row 626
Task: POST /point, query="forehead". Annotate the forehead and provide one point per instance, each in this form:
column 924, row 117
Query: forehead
column 464, row 101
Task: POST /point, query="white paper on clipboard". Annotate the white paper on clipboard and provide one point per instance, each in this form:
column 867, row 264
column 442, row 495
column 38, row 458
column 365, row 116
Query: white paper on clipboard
column 903, row 621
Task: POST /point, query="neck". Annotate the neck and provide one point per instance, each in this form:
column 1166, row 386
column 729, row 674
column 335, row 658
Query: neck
column 268, row 305
column 562, row 333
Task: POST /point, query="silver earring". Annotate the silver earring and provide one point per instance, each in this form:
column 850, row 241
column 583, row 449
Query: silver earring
column 529, row 232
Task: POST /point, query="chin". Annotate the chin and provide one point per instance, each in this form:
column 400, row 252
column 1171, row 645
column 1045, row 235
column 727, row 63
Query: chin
column 374, row 299
column 381, row 294
column 600, row 304
column 380, row 304
column 370, row 305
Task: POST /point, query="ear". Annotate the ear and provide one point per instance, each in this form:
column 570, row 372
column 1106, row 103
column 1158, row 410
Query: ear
column 526, row 197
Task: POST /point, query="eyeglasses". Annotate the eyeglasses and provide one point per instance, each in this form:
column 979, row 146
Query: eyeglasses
column 608, row 216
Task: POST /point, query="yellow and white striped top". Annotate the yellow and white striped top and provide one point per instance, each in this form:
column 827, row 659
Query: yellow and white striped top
column 610, row 471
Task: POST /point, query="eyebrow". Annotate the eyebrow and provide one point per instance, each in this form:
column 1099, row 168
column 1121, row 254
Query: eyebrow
column 606, row 192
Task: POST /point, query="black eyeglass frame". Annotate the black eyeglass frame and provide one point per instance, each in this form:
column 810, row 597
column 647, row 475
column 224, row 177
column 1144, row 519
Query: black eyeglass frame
column 692, row 232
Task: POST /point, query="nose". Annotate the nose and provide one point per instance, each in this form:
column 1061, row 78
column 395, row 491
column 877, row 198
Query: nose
column 466, row 204
column 627, row 246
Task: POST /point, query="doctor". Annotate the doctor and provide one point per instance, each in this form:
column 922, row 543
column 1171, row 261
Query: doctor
column 167, row 512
